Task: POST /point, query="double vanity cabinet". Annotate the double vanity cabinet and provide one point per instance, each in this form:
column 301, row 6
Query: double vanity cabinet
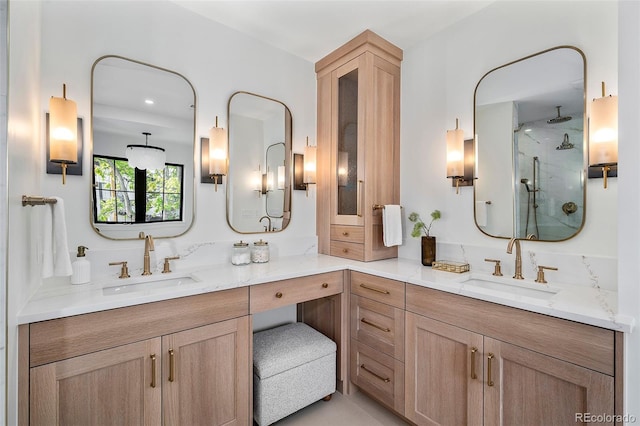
column 430, row 356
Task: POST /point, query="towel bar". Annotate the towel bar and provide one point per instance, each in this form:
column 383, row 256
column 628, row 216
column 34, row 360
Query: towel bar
column 28, row 200
column 381, row 207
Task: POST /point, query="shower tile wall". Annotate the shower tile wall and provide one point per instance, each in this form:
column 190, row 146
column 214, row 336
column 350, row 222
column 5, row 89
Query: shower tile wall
column 559, row 172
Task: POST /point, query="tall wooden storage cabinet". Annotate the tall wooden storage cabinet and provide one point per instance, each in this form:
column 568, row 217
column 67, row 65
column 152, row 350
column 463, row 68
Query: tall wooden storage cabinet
column 358, row 146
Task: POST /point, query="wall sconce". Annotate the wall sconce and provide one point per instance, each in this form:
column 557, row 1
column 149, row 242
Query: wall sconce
column 213, row 156
column 603, row 133
column 298, row 172
column 309, row 176
column 146, row 156
column 455, row 155
column 63, row 132
column 259, row 181
column 281, row 177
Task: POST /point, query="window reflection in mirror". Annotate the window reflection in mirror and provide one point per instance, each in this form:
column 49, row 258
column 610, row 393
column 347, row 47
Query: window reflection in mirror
column 531, row 139
column 259, row 176
column 125, row 194
column 130, row 98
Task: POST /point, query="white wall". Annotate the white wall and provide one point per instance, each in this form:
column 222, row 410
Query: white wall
column 57, row 42
column 439, row 79
column 24, row 171
column 629, row 200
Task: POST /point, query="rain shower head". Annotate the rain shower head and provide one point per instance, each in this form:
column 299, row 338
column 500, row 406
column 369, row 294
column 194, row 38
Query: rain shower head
column 559, row 118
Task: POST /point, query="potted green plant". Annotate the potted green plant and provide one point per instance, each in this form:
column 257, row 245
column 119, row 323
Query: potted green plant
column 428, row 242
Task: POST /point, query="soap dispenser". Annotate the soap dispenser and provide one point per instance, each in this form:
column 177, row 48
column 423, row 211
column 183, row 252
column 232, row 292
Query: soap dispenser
column 81, row 268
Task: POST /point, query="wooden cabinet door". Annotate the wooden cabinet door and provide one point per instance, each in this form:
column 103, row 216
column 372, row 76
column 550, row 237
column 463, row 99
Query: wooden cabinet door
column 443, row 373
column 110, row 387
column 206, row 375
column 530, row 388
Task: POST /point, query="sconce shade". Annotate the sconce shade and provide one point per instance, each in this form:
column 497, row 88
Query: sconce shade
column 217, row 150
column 146, row 156
column 281, row 177
column 455, row 153
column 309, row 164
column 63, row 130
column 603, row 131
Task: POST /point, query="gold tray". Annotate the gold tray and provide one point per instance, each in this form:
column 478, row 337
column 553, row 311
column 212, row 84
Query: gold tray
column 450, row 266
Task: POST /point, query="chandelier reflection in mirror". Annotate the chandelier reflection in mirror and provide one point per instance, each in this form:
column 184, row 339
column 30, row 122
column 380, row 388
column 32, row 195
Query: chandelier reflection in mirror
column 146, row 156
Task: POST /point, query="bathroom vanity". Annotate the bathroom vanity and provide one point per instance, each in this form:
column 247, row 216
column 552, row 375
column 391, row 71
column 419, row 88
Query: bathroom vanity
column 404, row 333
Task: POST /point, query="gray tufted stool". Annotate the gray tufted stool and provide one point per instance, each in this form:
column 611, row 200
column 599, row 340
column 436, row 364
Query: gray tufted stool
column 293, row 366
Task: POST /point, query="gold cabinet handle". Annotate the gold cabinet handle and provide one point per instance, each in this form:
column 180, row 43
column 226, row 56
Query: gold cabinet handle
column 279, row 295
column 344, row 250
column 359, row 198
column 473, row 363
column 325, row 285
column 379, row 327
column 172, row 366
column 384, row 379
column 489, row 358
column 153, row 370
column 345, row 234
column 374, row 289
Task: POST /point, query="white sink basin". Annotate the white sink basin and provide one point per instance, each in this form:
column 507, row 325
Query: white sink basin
column 514, row 288
column 129, row 285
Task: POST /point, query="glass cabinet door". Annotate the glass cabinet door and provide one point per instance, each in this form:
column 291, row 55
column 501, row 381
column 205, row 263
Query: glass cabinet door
column 346, row 163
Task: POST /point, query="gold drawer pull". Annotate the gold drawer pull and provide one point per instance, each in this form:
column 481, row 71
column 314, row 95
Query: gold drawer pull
column 489, row 381
column 153, row 370
column 345, row 234
column 172, row 366
column 384, row 379
column 374, row 289
column 473, row 363
column 379, row 327
column 344, row 250
column 325, row 285
column 279, row 295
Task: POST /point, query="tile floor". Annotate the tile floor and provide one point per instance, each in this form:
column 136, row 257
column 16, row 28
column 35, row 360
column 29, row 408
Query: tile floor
column 343, row 410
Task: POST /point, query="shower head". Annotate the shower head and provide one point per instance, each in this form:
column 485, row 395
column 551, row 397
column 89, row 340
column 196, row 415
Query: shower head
column 525, row 182
column 559, row 118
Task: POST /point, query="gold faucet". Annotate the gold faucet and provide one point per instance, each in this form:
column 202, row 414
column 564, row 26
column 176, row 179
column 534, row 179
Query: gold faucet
column 518, row 274
column 148, row 246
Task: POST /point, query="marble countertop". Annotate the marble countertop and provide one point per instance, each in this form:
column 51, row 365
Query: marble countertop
column 585, row 304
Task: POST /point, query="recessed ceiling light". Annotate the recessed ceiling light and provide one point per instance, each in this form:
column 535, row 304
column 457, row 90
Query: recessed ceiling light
column 149, row 102
column 527, row 130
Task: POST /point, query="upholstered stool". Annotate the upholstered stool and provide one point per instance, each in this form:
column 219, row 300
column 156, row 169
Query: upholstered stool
column 293, row 366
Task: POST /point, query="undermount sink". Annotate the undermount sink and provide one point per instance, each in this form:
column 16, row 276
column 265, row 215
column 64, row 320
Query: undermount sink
column 146, row 283
column 514, row 288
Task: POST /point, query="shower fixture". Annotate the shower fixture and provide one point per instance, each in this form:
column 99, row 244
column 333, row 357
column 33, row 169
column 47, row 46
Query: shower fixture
column 565, row 143
column 559, row 118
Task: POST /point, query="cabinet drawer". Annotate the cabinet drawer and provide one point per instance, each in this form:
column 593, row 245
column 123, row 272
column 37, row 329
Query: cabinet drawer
column 378, row 325
column 581, row 344
column 287, row 292
column 347, row 250
column 379, row 289
column 68, row 337
column 351, row 234
column 379, row 375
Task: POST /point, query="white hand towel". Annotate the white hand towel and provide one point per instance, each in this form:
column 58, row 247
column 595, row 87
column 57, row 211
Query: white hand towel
column 55, row 251
column 392, row 225
column 481, row 213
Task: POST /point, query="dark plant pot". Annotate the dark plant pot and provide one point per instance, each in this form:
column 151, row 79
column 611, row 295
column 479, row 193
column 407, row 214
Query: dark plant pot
column 428, row 250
